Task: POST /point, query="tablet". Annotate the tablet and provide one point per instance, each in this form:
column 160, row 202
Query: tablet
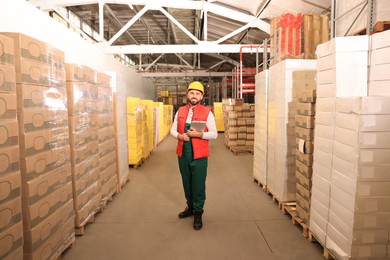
column 198, row 125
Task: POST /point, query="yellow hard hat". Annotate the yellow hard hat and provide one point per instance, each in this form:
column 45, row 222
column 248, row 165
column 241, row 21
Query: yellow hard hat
column 197, row 86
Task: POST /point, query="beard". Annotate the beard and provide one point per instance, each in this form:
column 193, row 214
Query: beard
column 194, row 102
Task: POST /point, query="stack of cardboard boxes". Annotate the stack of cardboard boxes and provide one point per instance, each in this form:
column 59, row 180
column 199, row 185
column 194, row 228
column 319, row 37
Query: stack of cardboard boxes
column 84, row 138
column 304, row 128
column 107, row 151
column 148, row 148
column 11, row 227
column 47, row 200
column 134, row 129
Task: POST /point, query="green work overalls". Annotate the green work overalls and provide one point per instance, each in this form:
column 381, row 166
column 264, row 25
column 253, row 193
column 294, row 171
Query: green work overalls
column 193, row 174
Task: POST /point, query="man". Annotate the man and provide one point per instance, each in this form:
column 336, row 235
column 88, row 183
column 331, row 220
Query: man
column 193, row 151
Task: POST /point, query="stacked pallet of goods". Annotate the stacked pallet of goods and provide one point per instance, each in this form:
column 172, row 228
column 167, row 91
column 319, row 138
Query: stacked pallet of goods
column 239, row 120
column 11, row 228
column 148, row 145
column 106, row 131
column 134, row 130
column 47, row 201
column 218, row 114
column 296, row 36
column 304, row 130
column 84, row 141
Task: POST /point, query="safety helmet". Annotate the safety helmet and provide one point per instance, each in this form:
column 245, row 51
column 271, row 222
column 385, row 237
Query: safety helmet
column 196, row 85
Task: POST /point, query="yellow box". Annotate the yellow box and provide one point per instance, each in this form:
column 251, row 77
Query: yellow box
column 88, row 210
column 8, row 106
column 86, row 180
column 9, row 158
column 106, row 147
column 7, row 78
column 7, row 53
column 8, row 133
column 33, row 238
column 11, row 240
column 37, row 213
column 32, row 119
column 11, row 212
column 77, row 72
column 37, row 188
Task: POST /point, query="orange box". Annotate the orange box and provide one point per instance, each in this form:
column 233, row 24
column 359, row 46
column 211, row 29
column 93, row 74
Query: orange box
column 10, row 186
column 11, row 241
column 110, row 187
column 85, row 181
column 8, row 106
column 57, row 243
column 35, row 165
column 107, row 160
column 30, row 96
column 76, row 72
column 9, row 158
column 8, row 133
column 32, row 119
column 88, row 210
column 11, row 213
column 6, row 50
column 38, row 212
column 106, row 147
column 82, row 199
column 106, row 133
column 30, row 48
column 37, row 188
column 33, row 238
column 7, row 78
column 42, row 140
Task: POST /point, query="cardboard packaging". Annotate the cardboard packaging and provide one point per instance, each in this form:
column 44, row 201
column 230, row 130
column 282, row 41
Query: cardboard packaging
column 103, row 80
column 79, row 170
column 11, row 214
column 107, row 173
column 7, row 54
column 10, row 186
column 304, row 133
column 83, row 152
column 11, row 242
column 8, row 133
column 7, row 78
column 306, row 159
column 86, row 180
column 303, row 180
column 7, row 106
column 110, row 187
column 304, row 146
column 33, row 119
column 106, row 147
column 304, row 121
column 9, row 158
column 76, row 72
column 305, row 170
column 306, row 109
column 88, row 210
column 84, row 198
column 30, row 96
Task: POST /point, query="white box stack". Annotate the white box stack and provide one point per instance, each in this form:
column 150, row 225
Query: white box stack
column 261, row 130
column 341, row 72
column 281, row 128
column 359, row 210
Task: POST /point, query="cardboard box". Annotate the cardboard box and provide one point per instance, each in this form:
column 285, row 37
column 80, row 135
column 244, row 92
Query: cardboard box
column 10, row 187
column 303, row 203
column 106, row 147
column 79, row 122
column 88, row 210
column 304, row 121
column 306, row 159
column 327, row 90
column 103, row 80
column 7, row 54
column 109, row 188
column 83, row 199
column 304, row 146
column 307, row 96
column 362, row 139
column 33, row 119
column 77, row 72
column 37, row 213
column 11, row 242
column 86, row 180
column 379, row 88
column 364, row 105
column 79, row 170
column 358, row 156
column 11, row 214
column 105, row 93
column 304, row 133
column 303, row 181
column 83, row 137
column 305, row 170
column 347, row 59
column 81, row 153
column 379, row 56
column 303, row 215
column 107, row 173
column 30, row 96
column 7, row 78
column 379, row 72
column 35, row 237
column 8, row 133
column 324, row 132
column 37, row 188
column 9, row 158
column 7, row 106
column 363, row 122
column 303, row 192
column 306, row 109
column 317, row 227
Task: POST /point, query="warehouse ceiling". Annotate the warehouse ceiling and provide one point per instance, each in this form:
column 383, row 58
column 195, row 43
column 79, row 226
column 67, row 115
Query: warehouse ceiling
column 183, row 37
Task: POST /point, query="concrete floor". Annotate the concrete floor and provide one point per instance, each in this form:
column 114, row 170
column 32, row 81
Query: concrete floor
column 240, row 221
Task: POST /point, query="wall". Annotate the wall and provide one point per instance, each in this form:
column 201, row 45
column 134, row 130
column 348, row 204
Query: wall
column 20, row 16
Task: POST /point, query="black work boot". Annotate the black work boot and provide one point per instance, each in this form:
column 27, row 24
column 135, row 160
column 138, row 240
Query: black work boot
column 186, row 213
column 198, row 221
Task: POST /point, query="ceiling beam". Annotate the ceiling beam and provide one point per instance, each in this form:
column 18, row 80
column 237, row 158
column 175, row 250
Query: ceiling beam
column 224, row 58
column 197, row 73
column 202, row 47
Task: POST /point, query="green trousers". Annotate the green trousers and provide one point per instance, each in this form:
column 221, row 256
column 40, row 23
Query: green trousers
column 193, row 174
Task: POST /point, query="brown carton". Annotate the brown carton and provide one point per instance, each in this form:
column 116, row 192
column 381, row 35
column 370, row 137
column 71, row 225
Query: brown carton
column 38, row 212
column 303, row 181
column 304, row 133
column 86, row 180
column 47, row 183
column 306, row 109
column 9, row 158
column 303, row 215
column 10, row 214
column 308, row 96
column 32, row 119
column 77, row 72
column 102, row 120
column 303, row 203
column 106, row 147
column 105, row 93
column 106, row 133
column 109, row 188
column 304, row 146
column 7, row 106
column 6, row 50
column 103, row 80
column 306, row 159
column 35, row 237
column 10, row 186
column 79, row 170
column 88, row 210
column 107, row 160
column 305, row 170
column 303, row 192
column 84, row 198
column 79, row 122
column 83, row 137
column 7, row 78
column 11, row 240
column 30, row 96
column 81, row 153
column 107, row 173
column 304, row 121
column 8, row 133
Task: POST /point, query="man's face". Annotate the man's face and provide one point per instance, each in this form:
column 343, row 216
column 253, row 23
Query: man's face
column 194, row 96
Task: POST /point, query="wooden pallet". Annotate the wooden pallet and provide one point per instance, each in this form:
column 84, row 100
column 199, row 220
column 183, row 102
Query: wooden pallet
column 70, row 243
column 241, row 149
column 138, row 164
column 290, row 209
column 326, row 253
column 108, row 198
column 79, row 230
column 381, row 26
column 261, row 185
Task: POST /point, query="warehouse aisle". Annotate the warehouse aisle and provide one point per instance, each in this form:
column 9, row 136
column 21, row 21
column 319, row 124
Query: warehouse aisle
column 240, row 221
